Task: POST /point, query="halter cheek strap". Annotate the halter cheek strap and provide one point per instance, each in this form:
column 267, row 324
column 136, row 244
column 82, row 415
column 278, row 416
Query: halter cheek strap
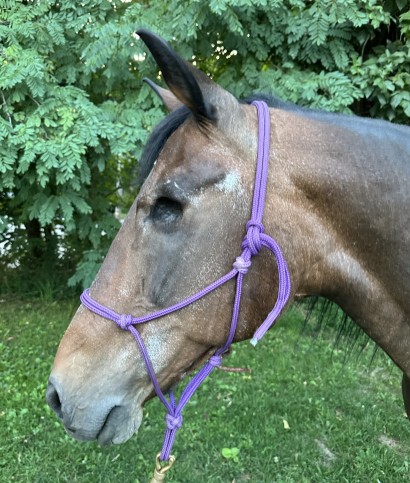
column 253, row 242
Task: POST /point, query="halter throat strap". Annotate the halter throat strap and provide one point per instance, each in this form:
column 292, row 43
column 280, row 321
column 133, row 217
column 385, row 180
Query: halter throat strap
column 253, row 242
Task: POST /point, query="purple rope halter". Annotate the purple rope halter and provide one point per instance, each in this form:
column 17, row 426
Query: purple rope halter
column 254, row 240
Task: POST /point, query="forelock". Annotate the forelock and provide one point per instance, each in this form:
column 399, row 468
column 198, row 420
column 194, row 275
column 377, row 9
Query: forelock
column 157, row 140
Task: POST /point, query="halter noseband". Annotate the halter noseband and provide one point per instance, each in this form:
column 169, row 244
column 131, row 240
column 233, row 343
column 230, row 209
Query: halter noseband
column 254, row 240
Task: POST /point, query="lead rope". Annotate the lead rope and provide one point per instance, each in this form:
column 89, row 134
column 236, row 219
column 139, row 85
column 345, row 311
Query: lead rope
column 253, row 242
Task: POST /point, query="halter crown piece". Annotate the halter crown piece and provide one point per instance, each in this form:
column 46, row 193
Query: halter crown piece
column 254, row 240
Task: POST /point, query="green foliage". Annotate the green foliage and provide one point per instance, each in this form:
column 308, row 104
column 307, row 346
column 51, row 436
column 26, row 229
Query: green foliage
column 231, row 454
column 73, row 119
column 339, row 55
column 74, row 114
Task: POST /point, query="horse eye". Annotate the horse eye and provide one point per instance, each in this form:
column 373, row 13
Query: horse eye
column 166, row 211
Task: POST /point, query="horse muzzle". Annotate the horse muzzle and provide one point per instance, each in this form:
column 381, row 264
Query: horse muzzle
column 107, row 420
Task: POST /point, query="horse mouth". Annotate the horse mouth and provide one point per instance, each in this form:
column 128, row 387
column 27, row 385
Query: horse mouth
column 106, row 434
column 116, row 428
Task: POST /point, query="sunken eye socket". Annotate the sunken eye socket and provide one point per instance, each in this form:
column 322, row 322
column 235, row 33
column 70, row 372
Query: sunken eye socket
column 166, row 211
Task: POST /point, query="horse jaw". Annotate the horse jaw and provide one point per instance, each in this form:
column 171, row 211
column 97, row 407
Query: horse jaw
column 99, row 394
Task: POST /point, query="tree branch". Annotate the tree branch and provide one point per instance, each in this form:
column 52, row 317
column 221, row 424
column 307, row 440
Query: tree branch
column 6, row 109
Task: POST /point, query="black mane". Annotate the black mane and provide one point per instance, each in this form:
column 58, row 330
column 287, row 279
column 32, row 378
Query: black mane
column 271, row 101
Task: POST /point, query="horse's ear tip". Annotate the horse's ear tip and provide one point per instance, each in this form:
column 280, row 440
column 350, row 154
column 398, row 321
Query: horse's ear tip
column 142, row 32
column 148, row 36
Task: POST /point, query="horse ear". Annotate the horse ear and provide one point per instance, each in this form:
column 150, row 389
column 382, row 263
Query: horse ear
column 166, row 96
column 185, row 81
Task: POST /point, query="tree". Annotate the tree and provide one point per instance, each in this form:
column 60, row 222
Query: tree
column 339, row 55
column 74, row 113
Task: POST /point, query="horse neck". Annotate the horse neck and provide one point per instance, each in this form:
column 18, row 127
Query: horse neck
column 327, row 209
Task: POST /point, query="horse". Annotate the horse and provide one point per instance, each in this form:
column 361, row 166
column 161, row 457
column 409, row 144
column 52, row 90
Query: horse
column 337, row 204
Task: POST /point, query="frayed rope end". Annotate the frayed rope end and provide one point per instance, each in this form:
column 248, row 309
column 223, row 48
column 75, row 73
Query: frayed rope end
column 254, row 341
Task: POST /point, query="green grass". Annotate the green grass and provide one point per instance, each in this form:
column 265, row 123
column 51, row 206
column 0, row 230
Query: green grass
column 346, row 420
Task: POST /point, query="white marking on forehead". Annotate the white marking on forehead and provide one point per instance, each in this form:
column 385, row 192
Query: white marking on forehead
column 195, row 200
column 125, row 291
column 231, row 183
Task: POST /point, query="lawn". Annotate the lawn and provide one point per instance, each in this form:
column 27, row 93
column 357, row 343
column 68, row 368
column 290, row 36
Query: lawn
column 304, row 414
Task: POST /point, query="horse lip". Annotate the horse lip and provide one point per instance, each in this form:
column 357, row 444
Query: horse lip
column 81, row 435
column 106, row 439
column 113, row 429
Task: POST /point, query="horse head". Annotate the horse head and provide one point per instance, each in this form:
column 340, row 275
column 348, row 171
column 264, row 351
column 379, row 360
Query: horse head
column 182, row 232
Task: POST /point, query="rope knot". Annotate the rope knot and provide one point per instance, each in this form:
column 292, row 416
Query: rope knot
column 215, row 361
column 253, row 232
column 173, row 422
column 241, row 265
column 124, row 321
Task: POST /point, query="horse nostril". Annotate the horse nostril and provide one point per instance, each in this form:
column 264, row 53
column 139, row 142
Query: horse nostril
column 53, row 400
